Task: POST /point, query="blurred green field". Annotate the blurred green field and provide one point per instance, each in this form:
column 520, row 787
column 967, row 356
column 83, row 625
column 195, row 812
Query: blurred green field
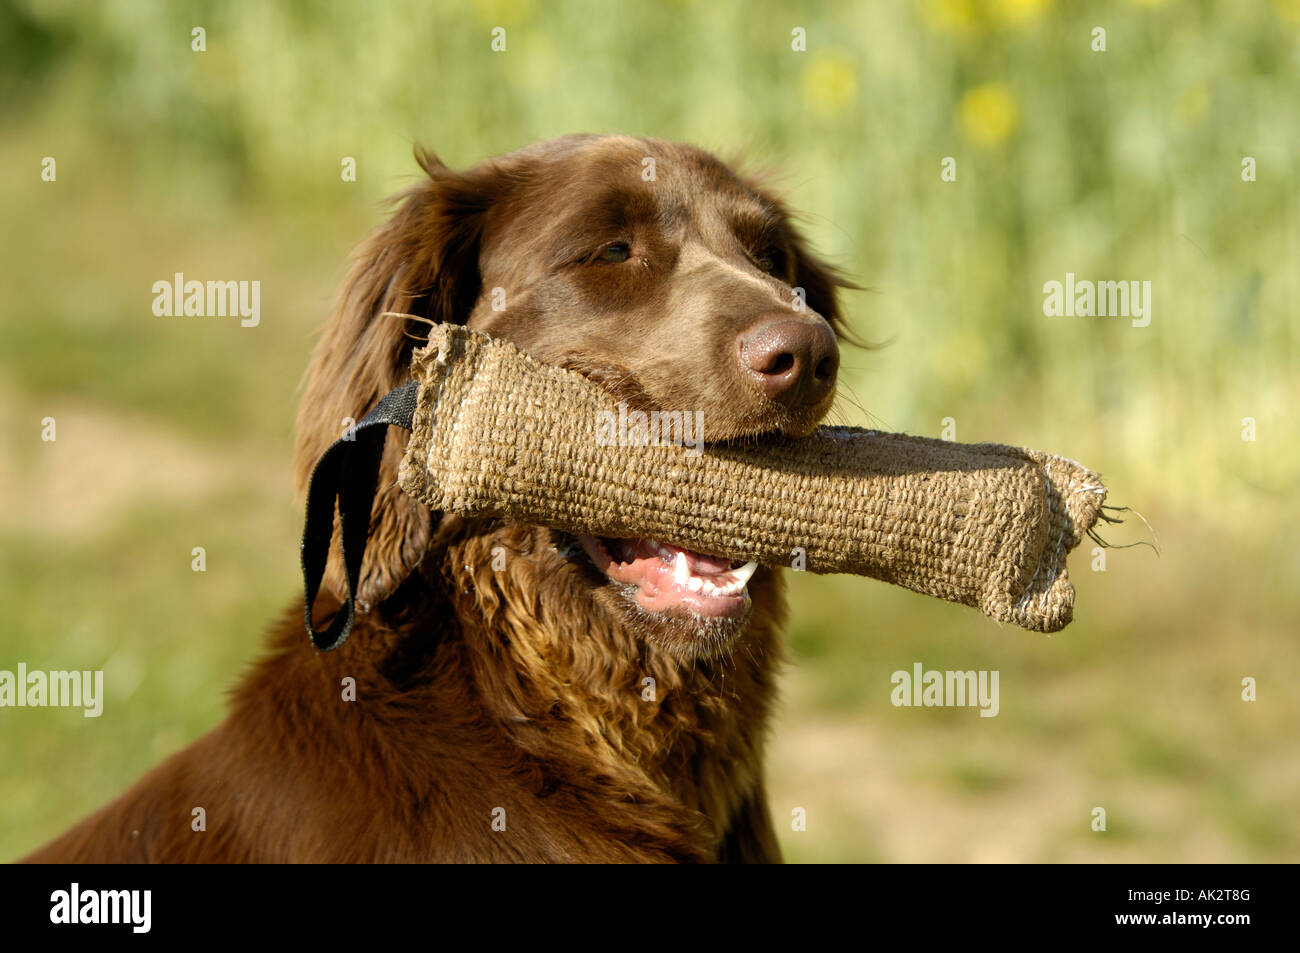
column 1123, row 164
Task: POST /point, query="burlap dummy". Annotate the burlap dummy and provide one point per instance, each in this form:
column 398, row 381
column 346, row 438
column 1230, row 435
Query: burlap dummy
column 499, row 434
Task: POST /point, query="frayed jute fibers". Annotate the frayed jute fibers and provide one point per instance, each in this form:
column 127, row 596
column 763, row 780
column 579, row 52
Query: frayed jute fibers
column 498, row 434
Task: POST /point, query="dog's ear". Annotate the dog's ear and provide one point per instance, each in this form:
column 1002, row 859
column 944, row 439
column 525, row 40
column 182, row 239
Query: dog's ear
column 422, row 261
column 820, row 281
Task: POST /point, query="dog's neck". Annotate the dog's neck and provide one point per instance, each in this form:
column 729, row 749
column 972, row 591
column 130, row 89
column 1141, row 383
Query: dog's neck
column 562, row 678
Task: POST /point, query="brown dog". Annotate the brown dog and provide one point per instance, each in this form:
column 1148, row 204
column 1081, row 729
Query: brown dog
column 567, row 700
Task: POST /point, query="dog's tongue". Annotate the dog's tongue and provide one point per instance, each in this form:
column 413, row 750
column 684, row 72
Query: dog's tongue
column 672, row 579
column 633, row 550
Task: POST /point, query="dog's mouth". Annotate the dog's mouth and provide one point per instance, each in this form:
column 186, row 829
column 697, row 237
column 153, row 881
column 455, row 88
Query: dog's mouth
column 672, row 581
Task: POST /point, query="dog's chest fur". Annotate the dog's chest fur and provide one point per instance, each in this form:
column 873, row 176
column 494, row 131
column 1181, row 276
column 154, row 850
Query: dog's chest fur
column 597, row 718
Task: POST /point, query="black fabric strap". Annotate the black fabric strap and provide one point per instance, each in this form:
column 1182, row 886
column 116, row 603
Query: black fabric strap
column 348, row 472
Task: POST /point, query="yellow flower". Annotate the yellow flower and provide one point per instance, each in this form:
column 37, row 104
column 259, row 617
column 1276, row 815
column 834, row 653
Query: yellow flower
column 1018, row 11
column 965, row 17
column 949, row 16
column 502, row 12
column 829, row 82
column 988, row 114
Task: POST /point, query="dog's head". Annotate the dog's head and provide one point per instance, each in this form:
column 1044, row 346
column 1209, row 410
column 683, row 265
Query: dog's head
column 651, row 267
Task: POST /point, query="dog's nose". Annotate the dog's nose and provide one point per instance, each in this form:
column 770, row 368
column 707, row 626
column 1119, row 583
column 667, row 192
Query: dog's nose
column 791, row 361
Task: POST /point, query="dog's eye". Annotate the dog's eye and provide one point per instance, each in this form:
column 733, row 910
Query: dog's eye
column 771, row 260
column 615, row 252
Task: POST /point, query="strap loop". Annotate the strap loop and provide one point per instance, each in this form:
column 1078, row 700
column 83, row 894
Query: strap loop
column 348, row 473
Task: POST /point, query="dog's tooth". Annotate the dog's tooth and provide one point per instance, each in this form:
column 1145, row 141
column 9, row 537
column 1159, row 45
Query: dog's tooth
column 742, row 574
column 696, row 584
column 681, row 570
